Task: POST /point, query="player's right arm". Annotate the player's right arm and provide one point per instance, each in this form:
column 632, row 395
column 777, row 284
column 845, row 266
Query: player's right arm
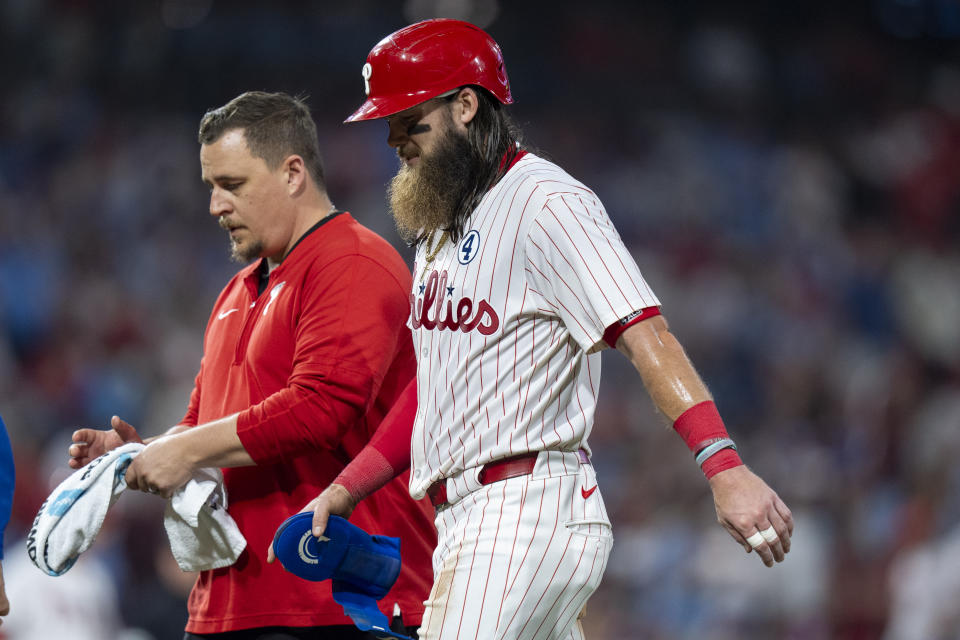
column 385, row 457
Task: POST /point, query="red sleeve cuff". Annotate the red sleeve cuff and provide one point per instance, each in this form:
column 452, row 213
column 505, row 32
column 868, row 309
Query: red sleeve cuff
column 249, row 439
column 613, row 332
column 368, row 471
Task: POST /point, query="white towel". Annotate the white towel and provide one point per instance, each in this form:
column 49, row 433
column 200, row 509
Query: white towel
column 204, row 535
column 69, row 520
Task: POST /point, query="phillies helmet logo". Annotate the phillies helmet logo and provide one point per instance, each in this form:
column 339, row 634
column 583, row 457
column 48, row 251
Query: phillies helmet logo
column 464, row 316
column 366, row 72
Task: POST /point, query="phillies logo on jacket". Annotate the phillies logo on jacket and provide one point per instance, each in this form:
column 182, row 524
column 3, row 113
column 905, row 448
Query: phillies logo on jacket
column 463, row 316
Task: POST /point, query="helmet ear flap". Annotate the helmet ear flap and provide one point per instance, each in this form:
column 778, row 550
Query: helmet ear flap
column 426, row 59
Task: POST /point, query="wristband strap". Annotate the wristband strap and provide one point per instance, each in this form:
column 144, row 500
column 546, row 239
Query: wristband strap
column 709, row 450
column 702, row 429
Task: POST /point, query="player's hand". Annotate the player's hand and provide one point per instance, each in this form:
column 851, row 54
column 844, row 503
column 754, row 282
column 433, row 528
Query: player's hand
column 748, row 509
column 89, row 444
column 335, row 500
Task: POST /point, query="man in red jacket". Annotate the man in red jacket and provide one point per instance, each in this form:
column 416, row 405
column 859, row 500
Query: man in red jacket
column 305, row 351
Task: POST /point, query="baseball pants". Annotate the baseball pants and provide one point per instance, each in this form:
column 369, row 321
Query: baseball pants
column 518, row 559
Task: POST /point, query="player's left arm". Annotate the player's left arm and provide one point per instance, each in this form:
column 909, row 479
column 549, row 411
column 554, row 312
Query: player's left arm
column 745, row 504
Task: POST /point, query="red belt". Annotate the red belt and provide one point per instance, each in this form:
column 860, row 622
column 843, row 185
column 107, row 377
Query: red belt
column 496, row 471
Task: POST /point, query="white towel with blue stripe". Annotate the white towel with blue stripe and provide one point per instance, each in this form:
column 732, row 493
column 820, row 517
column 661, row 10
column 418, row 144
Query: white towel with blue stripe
column 202, row 534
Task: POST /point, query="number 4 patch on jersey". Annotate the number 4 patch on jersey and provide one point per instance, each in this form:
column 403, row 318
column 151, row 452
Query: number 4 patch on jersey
column 469, row 247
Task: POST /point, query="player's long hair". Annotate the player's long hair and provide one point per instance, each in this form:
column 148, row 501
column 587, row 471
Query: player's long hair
column 496, row 141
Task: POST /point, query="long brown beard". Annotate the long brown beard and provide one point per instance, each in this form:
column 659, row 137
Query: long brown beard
column 427, row 197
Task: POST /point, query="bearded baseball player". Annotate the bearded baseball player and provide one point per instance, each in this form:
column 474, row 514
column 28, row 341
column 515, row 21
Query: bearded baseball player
column 520, row 281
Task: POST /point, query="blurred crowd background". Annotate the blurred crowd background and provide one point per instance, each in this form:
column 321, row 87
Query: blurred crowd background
column 787, row 175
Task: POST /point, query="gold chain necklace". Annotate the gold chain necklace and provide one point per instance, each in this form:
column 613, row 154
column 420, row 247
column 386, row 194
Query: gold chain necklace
column 431, row 251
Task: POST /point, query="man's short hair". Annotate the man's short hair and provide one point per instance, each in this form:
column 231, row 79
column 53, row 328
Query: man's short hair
column 275, row 126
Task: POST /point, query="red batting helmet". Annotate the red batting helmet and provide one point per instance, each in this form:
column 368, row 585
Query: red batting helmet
column 426, row 59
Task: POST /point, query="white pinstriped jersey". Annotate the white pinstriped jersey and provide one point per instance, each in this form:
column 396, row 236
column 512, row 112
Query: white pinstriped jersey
column 508, row 324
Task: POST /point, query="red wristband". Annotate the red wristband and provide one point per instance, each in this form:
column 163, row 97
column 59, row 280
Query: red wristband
column 698, row 426
column 698, row 423
column 720, row 461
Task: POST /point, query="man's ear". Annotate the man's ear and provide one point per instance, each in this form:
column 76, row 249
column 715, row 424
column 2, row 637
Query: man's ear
column 465, row 105
column 296, row 174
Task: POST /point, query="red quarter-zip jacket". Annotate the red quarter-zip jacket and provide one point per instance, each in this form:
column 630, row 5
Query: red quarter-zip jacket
column 312, row 364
